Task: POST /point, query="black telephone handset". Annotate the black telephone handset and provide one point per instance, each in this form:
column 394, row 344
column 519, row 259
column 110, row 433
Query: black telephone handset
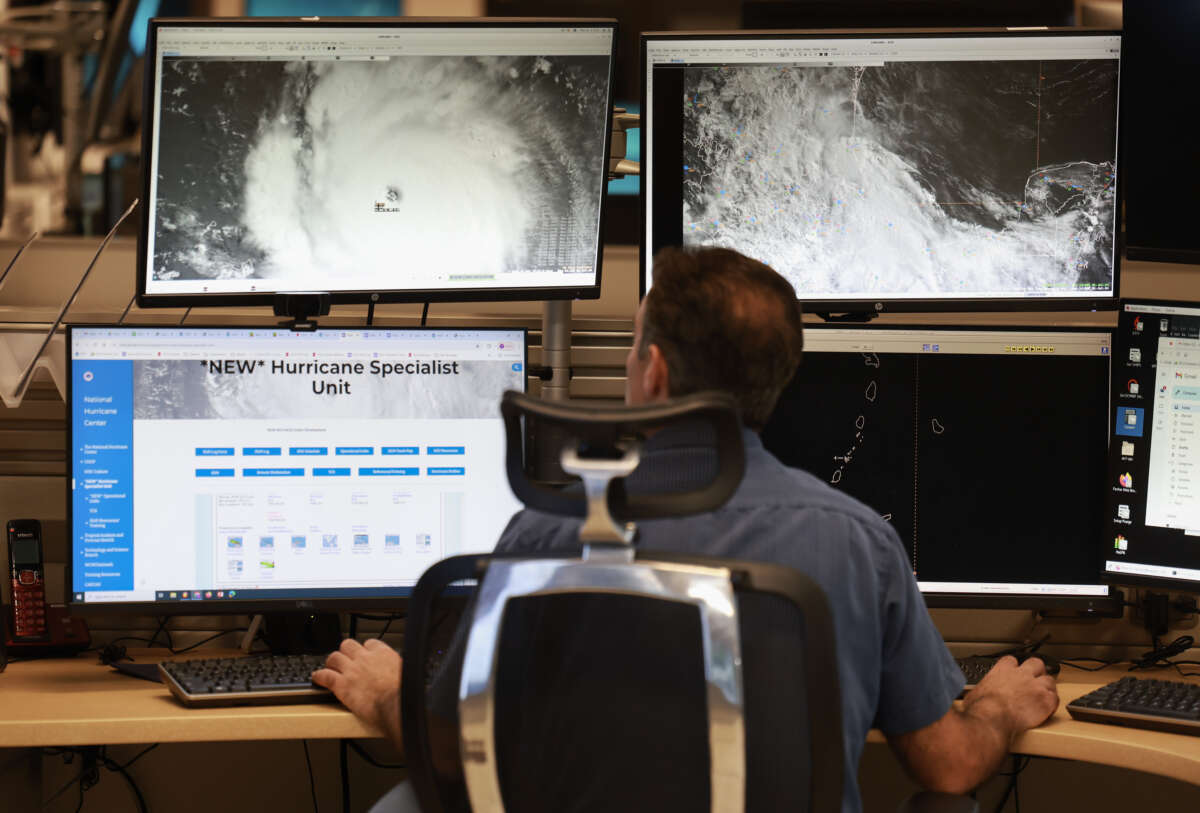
column 29, row 610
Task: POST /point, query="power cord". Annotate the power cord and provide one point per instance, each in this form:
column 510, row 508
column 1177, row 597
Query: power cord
column 312, row 780
column 92, row 759
column 1019, row 764
column 113, row 651
column 355, row 617
column 1160, row 657
column 1078, row 663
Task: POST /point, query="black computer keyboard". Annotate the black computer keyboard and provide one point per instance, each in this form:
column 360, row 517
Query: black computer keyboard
column 1164, row 705
column 248, row 681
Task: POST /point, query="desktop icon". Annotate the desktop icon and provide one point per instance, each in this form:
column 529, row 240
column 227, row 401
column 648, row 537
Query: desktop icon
column 1130, row 421
column 1127, row 448
column 1135, row 355
column 1164, row 325
column 1133, row 386
column 1122, row 511
column 1121, row 543
column 1137, row 324
column 1126, row 480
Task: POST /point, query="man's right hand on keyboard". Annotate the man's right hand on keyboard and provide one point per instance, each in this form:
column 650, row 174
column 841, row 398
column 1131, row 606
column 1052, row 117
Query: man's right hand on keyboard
column 366, row 678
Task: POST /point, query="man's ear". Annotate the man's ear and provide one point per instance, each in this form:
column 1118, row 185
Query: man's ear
column 656, row 382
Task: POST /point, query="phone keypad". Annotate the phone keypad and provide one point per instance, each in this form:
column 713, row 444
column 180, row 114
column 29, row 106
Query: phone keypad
column 29, row 606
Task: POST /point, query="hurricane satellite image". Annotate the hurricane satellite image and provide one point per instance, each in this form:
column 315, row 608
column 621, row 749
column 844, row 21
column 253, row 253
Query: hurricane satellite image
column 356, row 173
column 909, row 179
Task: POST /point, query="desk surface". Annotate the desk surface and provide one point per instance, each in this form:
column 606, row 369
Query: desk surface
column 80, row 702
column 77, row 701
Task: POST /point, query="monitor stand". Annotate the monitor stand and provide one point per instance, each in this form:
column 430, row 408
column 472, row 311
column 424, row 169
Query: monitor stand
column 854, row 317
column 302, row 633
column 301, row 307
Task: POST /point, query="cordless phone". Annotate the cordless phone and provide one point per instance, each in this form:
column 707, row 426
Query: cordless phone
column 28, row 580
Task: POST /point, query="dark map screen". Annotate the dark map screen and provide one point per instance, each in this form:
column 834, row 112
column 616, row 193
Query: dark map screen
column 413, row 171
column 908, row 179
column 999, row 482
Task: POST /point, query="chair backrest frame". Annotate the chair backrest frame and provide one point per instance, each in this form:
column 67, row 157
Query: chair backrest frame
column 821, row 678
column 709, row 589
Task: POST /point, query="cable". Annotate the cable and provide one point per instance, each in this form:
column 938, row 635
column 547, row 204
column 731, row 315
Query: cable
column 362, row 752
column 209, row 639
column 1102, row 664
column 1161, row 655
column 162, row 626
column 141, row 754
column 344, row 767
column 1011, row 790
column 312, row 780
column 1015, row 651
column 113, row 766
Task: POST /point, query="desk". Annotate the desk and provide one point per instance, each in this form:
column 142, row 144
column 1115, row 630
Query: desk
column 78, row 701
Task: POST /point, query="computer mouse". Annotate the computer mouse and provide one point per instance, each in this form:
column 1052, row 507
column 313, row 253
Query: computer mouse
column 1052, row 665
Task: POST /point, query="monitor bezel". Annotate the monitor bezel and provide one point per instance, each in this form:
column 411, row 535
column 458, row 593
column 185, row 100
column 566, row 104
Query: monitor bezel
column 224, row 606
column 1083, row 604
column 884, row 305
column 359, row 296
column 1112, row 578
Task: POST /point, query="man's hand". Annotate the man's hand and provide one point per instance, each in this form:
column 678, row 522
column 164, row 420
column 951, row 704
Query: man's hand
column 366, row 678
column 1016, row 697
column 962, row 749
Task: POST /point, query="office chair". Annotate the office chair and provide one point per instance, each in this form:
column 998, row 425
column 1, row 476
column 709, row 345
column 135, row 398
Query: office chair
column 616, row 678
column 590, row 610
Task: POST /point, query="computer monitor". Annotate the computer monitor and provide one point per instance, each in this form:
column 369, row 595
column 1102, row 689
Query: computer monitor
column 893, row 170
column 905, row 13
column 1160, row 37
column 1153, row 516
column 418, row 160
column 259, row 469
column 984, row 448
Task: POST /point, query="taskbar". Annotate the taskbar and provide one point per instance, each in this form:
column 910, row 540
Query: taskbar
column 241, row 594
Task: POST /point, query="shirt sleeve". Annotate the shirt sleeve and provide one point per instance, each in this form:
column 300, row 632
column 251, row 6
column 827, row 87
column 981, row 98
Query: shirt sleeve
column 919, row 679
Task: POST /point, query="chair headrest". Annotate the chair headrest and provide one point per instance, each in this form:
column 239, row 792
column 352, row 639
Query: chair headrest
column 599, row 431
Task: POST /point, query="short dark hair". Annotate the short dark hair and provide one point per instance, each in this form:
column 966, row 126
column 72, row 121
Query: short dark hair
column 723, row 322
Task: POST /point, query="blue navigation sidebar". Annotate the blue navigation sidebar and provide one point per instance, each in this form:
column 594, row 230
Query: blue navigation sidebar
column 102, row 481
